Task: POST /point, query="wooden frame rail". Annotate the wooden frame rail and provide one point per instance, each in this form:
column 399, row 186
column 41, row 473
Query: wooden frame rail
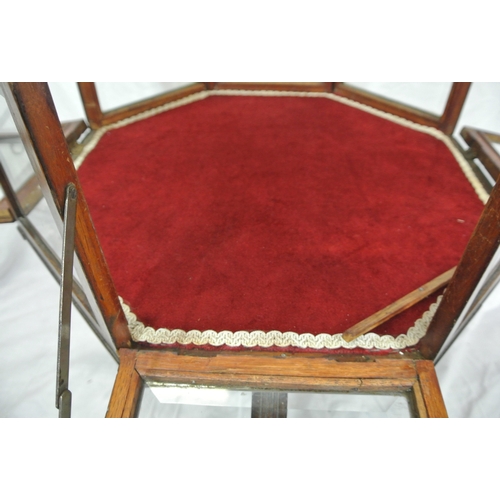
column 388, row 105
column 446, row 122
column 481, row 248
column 36, row 119
column 276, row 372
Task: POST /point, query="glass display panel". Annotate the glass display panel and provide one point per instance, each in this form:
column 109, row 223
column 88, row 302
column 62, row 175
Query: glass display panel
column 13, row 156
column 114, row 95
column 67, row 100
column 314, row 405
column 426, row 96
column 189, row 402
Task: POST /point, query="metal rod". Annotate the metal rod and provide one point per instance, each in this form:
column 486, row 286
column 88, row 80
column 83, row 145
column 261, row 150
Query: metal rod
column 53, row 264
column 63, row 394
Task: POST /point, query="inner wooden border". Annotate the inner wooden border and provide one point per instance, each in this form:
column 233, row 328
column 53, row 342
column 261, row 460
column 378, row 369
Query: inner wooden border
column 272, row 371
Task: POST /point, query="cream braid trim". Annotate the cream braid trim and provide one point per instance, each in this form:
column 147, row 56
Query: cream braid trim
column 275, row 338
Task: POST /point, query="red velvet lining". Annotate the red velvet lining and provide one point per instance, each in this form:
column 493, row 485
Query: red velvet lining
column 275, row 213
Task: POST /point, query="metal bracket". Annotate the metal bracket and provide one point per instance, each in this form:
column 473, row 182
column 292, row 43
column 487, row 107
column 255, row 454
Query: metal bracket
column 63, row 394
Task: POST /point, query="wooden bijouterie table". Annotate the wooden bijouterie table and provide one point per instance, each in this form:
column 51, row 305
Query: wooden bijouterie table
column 272, row 240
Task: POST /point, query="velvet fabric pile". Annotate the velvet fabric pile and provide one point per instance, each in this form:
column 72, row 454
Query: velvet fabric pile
column 275, row 213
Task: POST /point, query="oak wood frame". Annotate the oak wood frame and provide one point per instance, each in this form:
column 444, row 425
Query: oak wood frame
column 35, row 115
column 274, row 371
column 127, row 388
